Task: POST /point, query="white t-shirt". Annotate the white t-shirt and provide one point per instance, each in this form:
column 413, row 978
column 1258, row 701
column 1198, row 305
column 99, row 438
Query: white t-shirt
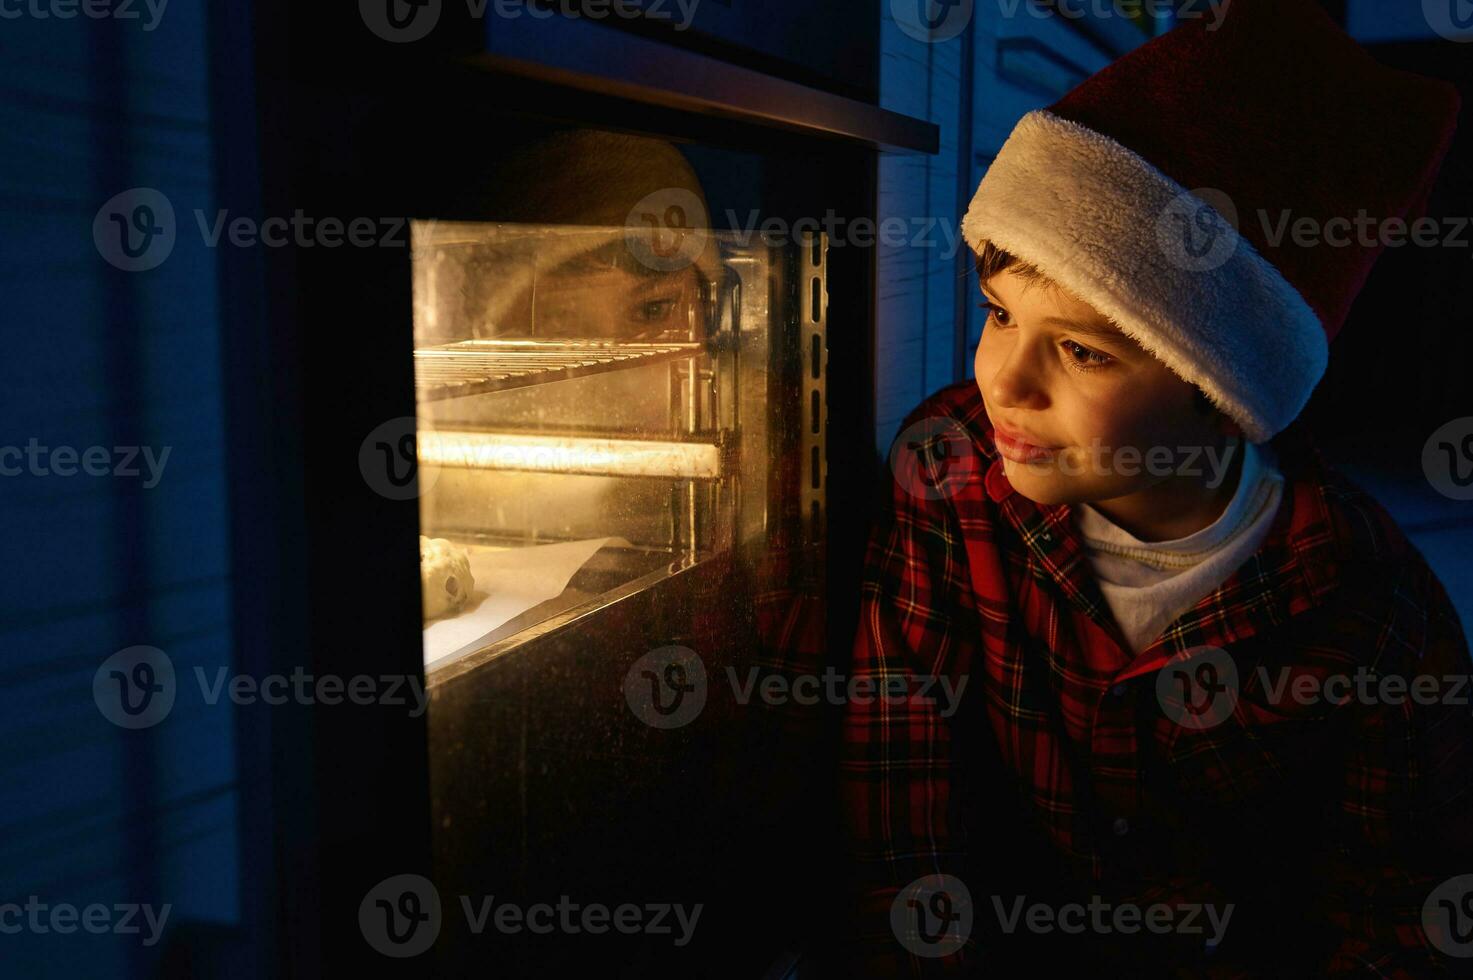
column 1149, row 584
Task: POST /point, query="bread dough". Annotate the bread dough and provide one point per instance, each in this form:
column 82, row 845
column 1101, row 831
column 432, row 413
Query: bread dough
column 444, row 576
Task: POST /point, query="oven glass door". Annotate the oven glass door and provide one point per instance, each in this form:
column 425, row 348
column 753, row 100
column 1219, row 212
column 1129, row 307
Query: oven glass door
column 599, row 407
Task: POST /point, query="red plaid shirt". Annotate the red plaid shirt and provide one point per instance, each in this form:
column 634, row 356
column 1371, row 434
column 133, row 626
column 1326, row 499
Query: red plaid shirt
column 1330, row 822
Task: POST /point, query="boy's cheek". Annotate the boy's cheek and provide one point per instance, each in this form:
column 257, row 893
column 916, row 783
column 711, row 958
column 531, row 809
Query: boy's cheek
column 990, row 353
column 1109, row 425
column 981, row 361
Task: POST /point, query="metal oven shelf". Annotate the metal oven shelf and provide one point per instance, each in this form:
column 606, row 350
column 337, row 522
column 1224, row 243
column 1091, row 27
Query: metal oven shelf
column 472, row 367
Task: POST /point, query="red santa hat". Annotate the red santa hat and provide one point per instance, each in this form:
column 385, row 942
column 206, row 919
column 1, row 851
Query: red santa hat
column 1164, row 191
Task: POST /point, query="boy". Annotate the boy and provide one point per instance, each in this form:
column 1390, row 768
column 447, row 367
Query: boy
column 1207, row 717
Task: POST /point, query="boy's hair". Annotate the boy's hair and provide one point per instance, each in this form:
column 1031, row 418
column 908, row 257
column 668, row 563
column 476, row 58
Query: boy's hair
column 992, row 260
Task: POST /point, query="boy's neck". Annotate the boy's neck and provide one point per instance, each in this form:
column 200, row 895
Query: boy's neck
column 1179, row 505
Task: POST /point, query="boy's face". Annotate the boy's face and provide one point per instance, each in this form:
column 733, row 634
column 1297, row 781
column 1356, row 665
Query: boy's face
column 1058, row 375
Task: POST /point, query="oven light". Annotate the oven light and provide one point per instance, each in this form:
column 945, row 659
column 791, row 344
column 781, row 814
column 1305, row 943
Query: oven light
column 564, row 454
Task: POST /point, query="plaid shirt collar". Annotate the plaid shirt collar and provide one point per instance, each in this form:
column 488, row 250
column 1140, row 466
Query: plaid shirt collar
column 1297, row 564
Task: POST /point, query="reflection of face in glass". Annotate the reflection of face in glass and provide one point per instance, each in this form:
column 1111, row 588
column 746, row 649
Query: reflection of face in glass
column 607, row 294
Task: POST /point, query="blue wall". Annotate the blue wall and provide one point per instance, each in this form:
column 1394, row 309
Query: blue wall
column 98, row 357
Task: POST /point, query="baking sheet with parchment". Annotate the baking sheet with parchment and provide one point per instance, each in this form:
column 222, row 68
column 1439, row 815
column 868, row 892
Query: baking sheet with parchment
column 509, row 581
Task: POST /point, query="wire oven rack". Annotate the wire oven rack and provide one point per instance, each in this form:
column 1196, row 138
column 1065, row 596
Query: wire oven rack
column 472, row 367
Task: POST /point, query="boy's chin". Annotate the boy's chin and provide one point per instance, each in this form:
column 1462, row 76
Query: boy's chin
column 1048, row 487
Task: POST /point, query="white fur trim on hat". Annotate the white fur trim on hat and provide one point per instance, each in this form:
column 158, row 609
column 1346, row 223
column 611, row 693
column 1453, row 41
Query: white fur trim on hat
column 1101, row 221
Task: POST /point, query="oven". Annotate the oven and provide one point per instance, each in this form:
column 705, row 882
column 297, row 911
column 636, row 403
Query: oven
column 592, row 412
column 616, row 438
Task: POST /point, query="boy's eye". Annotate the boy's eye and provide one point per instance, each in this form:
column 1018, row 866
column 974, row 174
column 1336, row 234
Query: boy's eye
column 655, row 309
column 997, row 314
column 1079, row 356
column 1084, row 357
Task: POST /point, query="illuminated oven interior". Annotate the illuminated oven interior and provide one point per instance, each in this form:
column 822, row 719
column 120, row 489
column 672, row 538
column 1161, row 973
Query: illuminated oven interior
column 597, row 408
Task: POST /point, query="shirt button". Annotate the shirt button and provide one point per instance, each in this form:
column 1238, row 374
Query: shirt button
column 1119, row 690
column 1047, row 537
column 1121, row 827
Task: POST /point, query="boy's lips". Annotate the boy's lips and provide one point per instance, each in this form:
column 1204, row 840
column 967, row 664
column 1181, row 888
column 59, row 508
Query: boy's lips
column 1017, row 447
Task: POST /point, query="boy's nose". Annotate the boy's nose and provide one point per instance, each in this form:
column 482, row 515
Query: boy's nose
column 1016, row 382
